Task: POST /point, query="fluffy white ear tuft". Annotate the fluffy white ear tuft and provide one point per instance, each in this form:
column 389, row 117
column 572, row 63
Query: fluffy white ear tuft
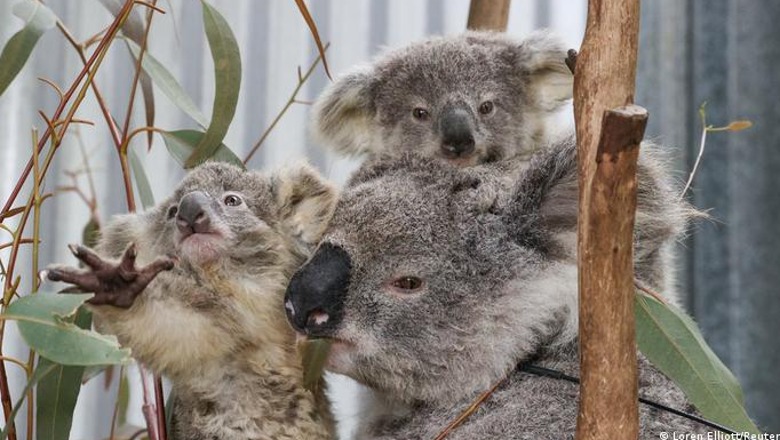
column 305, row 200
column 343, row 114
column 544, row 55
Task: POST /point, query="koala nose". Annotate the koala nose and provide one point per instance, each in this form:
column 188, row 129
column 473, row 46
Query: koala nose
column 192, row 216
column 314, row 300
column 457, row 135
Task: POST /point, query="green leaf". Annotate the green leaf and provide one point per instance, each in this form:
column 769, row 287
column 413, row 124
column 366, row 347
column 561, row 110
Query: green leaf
column 91, row 233
column 39, row 373
column 123, row 397
column 169, row 404
column 141, row 181
column 182, row 143
column 57, row 393
column 168, row 85
column 227, row 78
column 673, row 343
column 39, row 19
column 314, row 354
column 45, row 321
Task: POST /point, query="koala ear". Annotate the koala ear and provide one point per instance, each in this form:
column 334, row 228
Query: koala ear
column 544, row 57
column 343, row 114
column 545, row 199
column 305, row 201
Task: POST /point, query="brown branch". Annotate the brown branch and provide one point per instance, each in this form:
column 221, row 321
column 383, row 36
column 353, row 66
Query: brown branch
column 492, row 15
column 608, row 391
column 608, row 143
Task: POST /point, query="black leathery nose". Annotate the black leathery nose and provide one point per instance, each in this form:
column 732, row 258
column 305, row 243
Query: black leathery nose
column 456, row 131
column 192, row 215
column 314, row 300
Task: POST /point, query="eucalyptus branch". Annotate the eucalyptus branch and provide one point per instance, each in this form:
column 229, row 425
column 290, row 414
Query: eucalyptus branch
column 86, row 71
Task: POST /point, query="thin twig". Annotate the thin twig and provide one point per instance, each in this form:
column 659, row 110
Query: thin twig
column 644, row 288
column 702, row 143
column 112, row 128
column 18, row 362
column 469, row 411
column 292, row 100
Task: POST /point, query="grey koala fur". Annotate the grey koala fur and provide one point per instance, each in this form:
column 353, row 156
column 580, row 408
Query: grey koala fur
column 370, row 110
column 214, row 324
column 494, row 252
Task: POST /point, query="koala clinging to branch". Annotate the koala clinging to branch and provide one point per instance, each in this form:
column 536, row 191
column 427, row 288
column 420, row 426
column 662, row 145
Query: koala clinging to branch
column 473, row 98
column 435, row 283
column 213, row 322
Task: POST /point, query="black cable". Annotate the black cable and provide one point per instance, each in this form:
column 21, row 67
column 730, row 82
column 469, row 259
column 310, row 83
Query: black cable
column 555, row 374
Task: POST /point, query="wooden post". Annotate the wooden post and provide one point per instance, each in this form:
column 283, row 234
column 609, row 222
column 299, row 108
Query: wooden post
column 488, row 15
column 608, row 142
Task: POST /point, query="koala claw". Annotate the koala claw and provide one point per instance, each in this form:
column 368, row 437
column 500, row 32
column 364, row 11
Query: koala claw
column 113, row 284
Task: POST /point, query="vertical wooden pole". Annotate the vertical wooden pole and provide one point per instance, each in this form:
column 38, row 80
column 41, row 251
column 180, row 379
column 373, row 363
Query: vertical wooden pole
column 608, row 142
column 490, row 15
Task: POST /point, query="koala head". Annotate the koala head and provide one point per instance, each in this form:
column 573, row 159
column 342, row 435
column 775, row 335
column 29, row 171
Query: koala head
column 434, row 281
column 468, row 99
column 221, row 215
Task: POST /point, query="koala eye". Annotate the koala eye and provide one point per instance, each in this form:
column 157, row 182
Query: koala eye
column 420, row 114
column 232, row 200
column 486, row 107
column 172, row 212
column 407, row 284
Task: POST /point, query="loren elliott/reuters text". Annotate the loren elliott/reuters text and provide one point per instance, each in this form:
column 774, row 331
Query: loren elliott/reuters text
column 717, row 435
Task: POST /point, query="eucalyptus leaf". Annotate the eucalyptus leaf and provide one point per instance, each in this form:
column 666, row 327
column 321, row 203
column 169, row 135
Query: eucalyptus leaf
column 314, row 354
column 91, row 233
column 57, row 393
column 227, row 78
column 673, row 343
column 39, row 373
column 17, row 50
column 181, row 144
column 141, row 181
column 46, row 322
column 168, row 85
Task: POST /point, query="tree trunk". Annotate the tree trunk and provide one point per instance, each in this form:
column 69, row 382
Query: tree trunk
column 608, row 146
column 490, row 15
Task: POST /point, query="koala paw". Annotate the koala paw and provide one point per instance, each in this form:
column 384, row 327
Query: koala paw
column 116, row 284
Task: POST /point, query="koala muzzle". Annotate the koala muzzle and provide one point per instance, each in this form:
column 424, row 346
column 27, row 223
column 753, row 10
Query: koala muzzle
column 315, row 296
column 192, row 216
column 456, row 132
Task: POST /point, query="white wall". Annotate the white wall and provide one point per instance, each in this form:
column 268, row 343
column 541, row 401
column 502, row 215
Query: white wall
column 274, row 41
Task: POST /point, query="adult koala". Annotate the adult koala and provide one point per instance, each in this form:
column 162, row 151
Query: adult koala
column 436, row 282
column 473, row 98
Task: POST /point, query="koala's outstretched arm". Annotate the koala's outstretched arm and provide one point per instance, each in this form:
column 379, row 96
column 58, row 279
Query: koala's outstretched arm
column 115, row 284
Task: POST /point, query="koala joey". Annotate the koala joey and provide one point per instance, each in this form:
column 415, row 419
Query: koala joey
column 195, row 288
column 435, row 282
column 473, row 98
